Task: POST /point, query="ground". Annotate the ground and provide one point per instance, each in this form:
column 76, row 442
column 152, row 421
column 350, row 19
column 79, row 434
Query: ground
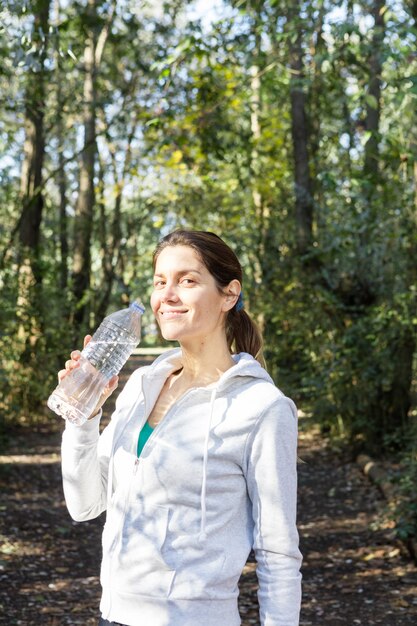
column 353, row 572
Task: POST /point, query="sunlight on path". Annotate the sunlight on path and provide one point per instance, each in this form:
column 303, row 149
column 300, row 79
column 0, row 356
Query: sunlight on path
column 354, row 572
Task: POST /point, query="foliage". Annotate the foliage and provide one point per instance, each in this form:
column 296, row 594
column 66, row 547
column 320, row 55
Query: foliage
column 404, row 509
column 194, row 127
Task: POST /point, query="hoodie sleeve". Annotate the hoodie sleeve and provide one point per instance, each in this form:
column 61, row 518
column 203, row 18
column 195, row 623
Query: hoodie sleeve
column 84, row 469
column 85, row 458
column 271, row 457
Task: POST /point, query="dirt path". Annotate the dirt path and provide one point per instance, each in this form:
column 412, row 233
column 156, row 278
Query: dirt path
column 49, row 565
column 353, row 574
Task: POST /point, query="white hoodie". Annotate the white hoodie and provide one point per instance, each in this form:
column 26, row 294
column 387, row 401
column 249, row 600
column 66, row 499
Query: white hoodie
column 216, row 478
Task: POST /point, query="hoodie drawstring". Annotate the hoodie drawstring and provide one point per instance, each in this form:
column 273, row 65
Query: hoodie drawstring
column 203, row 534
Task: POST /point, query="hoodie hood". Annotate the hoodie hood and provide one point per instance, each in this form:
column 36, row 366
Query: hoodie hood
column 245, row 365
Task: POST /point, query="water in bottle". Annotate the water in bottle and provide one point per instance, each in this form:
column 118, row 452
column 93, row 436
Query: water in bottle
column 78, row 392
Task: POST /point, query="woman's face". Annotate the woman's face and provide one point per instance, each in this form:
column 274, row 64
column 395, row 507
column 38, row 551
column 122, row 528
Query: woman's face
column 186, row 301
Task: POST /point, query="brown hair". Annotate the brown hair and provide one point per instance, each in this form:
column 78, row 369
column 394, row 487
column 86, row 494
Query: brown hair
column 222, row 263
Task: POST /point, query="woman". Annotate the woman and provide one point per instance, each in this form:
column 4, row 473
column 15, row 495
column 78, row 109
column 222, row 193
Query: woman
column 198, row 463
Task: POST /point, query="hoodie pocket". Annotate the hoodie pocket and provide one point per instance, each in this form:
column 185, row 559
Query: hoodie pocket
column 139, row 564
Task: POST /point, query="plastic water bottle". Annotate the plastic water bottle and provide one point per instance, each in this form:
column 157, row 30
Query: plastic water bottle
column 78, row 393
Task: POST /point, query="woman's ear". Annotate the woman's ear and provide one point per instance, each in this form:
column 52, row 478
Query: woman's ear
column 231, row 292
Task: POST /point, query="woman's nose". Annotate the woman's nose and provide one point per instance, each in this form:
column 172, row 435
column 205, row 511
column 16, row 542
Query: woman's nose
column 170, row 293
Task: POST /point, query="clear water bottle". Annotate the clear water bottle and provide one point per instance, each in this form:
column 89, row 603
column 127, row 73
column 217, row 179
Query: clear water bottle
column 78, row 392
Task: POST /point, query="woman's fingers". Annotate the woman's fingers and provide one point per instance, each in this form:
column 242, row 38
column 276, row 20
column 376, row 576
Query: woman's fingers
column 113, row 383
column 70, row 365
column 110, row 387
column 62, row 374
column 107, row 391
column 73, row 362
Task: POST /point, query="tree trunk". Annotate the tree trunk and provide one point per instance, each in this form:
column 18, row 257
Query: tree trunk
column 84, row 210
column 110, row 241
column 83, row 225
column 256, row 136
column 300, row 134
column 373, row 102
column 61, row 177
column 34, row 145
column 316, row 54
column 30, row 273
column 396, row 399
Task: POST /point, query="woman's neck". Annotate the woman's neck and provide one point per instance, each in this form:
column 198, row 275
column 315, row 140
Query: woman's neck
column 203, row 364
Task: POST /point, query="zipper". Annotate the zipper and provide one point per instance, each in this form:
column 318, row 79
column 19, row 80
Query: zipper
column 145, row 412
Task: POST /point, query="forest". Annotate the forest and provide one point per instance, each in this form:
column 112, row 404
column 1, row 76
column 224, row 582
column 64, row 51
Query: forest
column 288, row 128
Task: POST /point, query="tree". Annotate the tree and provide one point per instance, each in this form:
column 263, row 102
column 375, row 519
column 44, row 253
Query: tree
column 300, row 132
column 84, row 209
column 61, row 175
column 29, row 304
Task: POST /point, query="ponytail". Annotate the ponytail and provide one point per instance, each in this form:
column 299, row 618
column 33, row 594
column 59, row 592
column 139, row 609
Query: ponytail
column 243, row 335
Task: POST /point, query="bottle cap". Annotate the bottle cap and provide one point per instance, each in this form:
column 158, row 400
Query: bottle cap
column 137, row 306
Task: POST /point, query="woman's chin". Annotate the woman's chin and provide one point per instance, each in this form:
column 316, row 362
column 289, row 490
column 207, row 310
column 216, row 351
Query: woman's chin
column 170, row 336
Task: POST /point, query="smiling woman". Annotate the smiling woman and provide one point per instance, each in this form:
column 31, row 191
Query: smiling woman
column 198, row 464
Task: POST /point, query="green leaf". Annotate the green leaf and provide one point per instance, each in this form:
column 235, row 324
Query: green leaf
column 371, row 101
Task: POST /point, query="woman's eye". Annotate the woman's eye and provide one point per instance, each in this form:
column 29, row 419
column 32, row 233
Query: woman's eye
column 187, row 281
column 158, row 284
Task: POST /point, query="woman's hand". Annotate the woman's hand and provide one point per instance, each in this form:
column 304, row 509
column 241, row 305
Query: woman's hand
column 74, row 362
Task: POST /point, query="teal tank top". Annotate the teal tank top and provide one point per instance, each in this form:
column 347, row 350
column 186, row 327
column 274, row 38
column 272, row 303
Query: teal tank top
column 144, row 435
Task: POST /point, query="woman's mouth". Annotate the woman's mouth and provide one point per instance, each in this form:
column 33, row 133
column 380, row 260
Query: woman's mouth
column 171, row 314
